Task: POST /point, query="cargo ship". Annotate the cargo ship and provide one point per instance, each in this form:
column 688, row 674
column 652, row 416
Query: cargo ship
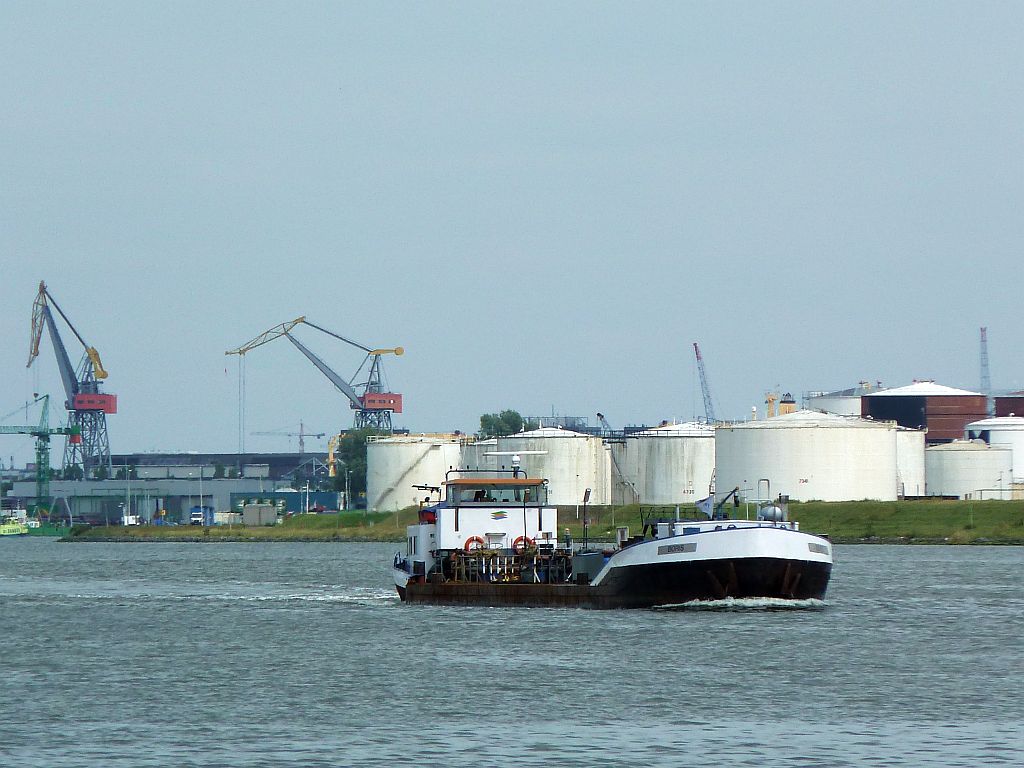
column 491, row 539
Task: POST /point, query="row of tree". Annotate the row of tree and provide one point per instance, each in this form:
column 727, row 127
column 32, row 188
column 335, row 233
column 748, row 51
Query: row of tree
column 507, row 422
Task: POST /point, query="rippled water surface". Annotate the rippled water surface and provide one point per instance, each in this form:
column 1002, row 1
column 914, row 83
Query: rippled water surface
column 300, row 654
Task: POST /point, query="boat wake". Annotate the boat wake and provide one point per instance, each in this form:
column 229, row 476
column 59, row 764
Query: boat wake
column 366, row 596
column 746, row 604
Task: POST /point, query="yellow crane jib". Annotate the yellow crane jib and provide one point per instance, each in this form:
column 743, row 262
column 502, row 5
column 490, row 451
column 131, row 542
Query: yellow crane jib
column 268, row 335
column 37, row 323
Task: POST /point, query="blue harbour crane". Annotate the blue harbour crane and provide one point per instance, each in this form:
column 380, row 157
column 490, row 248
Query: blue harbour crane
column 88, row 446
column 369, row 399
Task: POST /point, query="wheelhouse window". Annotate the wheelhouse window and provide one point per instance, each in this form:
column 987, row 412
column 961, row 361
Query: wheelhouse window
column 497, row 494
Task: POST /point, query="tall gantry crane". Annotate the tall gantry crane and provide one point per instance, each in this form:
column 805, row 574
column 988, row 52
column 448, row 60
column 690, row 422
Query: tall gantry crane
column 88, row 445
column 41, row 432
column 370, row 400
column 709, row 407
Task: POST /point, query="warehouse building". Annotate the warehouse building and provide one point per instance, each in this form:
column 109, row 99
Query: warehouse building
column 942, row 411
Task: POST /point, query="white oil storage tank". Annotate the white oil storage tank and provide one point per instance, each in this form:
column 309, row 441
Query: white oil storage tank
column 969, row 469
column 808, row 455
column 1006, row 431
column 910, row 474
column 482, row 455
column 670, row 464
column 571, row 461
column 395, row 463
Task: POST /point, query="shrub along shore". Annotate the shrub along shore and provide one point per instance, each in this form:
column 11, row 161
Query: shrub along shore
column 861, row 522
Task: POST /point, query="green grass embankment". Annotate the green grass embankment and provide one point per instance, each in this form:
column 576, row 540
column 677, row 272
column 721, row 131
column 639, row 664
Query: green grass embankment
column 916, row 522
column 348, row 526
column 909, row 522
column 926, row 521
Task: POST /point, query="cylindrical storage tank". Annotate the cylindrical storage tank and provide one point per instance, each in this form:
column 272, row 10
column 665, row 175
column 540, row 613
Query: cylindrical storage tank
column 1007, row 431
column 808, row 456
column 840, row 404
column 394, row 464
column 969, row 469
column 672, row 464
column 910, row 472
column 481, row 455
column 571, row 462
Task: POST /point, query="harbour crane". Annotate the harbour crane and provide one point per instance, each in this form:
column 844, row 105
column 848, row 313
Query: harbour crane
column 371, row 402
column 42, row 432
column 709, row 408
column 301, row 434
column 88, row 446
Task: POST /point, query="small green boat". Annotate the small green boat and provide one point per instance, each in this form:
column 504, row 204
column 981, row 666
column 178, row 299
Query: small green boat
column 10, row 526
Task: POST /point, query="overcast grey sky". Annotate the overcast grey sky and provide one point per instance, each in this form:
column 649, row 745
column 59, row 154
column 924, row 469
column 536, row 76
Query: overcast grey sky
column 544, row 203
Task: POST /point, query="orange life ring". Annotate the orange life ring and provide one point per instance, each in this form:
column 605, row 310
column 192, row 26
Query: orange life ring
column 521, row 543
column 474, row 542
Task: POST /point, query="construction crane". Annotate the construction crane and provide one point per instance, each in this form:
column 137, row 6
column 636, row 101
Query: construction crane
column 372, row 404
column 301, row 434
column 709, row 408
column 332, row 447
column 88, row 447
column 42, row 432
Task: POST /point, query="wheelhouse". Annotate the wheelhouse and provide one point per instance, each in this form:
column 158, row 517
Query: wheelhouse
column 496, row 492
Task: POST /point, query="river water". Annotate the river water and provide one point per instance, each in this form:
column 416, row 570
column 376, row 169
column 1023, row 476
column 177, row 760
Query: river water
column 301, row 655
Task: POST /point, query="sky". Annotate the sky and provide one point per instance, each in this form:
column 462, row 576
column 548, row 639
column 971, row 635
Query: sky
column 544, row 203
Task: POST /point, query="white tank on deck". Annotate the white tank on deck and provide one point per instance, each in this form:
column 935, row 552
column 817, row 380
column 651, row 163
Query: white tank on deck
column 1006, row 431
column 969, row 469
column 910, row 474
column 395, row 463
column 571, row 462
column 671, row 464
column 808, row 455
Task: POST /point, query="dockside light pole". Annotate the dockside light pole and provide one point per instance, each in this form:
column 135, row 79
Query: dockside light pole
column 586, row 498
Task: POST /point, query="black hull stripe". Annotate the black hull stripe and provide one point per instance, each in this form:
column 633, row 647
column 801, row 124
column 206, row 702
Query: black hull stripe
column 647, row 586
